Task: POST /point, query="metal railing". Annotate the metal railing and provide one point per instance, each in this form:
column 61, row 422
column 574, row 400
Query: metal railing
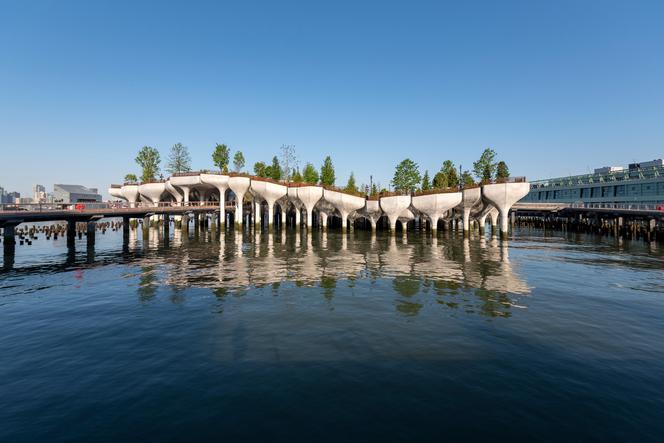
column 620, row 206
column 92, row 206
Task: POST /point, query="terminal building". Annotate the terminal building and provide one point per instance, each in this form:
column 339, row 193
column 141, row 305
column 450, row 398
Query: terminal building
column 75, row 194
column 640, row 183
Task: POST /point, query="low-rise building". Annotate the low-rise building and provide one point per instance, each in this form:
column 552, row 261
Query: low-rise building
column 74, row 194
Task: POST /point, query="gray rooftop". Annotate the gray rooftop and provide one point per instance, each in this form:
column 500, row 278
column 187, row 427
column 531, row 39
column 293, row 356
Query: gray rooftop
column 75, row 189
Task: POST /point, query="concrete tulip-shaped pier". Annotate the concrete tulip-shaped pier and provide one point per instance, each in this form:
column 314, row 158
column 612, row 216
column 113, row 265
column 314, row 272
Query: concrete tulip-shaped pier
column 469, row 198
column 344, row 203
column 503, row 196
column 177, row 195
column 393, row 207
column 239, row 185
column 130, row 193
column 475, row 203
column 152, row 191
column 270, row 192
column 186, row 183
column 220, row 182
column 116, row 192
column 435, row 206
column 309, row 196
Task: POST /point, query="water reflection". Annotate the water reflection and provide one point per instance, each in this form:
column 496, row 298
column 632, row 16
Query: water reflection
column 475, row 275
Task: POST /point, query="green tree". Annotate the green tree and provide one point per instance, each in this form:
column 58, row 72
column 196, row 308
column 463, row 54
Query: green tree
column 374, row 190
column 502, row 172
column 406, row 176
column 450, row 172
column 220, row 157
column 351, row 186
column 238, row 161
column 426, row 183
column 260, row 169
column 288, row 161
column 440, row 180
column 485, row 167
column 297, row 177
column 130, row 178
column 467, row 179
column 274, row 170
column 148, row 159
column 310, row 175
column 179, row 159
column 327, row 172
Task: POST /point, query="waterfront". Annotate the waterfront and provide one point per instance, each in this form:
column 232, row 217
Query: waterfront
column 326, row 336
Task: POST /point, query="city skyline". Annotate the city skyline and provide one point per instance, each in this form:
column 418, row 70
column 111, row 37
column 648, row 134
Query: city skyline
column 555, row 89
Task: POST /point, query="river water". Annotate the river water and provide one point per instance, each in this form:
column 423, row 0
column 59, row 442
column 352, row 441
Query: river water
column 331, row 337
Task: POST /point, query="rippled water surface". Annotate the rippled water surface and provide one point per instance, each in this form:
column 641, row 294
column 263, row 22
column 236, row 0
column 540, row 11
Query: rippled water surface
column 326, row 337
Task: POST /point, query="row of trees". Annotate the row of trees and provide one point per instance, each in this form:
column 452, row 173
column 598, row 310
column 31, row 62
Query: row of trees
column 407, row 176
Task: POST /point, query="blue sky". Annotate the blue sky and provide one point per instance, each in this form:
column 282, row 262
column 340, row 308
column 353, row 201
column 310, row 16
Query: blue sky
column 554, row 87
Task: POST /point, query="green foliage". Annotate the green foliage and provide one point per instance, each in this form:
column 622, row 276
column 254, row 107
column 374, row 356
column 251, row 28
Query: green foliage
column 220, row 157
column 260, row 170
column 310, row 175
column 327, row 177
column 351, row 186
column 426, row 183
column 148, row 159
column 440, row 180
column 467, row 179
column 238, row 161
column 274, row 170
column 485, row 167
column 179, row 159
column 406, row 176
column 451, row 172
column 297, row 177
column 130, row 178
column 447, row 176
column 374, row 190
column 288, row 161
column 502, row 171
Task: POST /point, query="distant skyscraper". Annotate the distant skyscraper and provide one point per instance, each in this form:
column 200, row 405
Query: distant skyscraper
column 2, row 195
column 39, row 193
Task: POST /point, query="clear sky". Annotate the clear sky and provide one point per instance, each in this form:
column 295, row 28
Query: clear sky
column 555, row 87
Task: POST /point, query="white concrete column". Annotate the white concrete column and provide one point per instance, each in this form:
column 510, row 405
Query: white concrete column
column 323, row 219
column 298, row 215
column 393, row 225
column 482, row 223
column 504, row 223
column 373, row 225
column 239, row 199
column 222, row 208
column 257, row 213
column 466, row 220
column 344, row 221
column 494, row 221
column 283, row 218
column 270, row 214
column 310, row 219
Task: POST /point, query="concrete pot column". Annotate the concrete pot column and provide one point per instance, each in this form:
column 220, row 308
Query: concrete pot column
column 239, row 186
column 221, row 183
column 469, row 198
column 270, row 192
column 345, row 204
column 309, row 196
column 186, row 183
column 502, row 196
column 323, row 220
column 152, row 192
column 130, row 193
column 393, row 206
column 434, row 206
